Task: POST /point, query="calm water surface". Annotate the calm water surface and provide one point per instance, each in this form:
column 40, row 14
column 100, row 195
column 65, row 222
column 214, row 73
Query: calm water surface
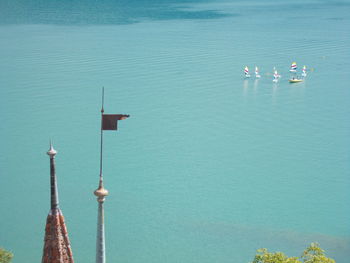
column 210, row 166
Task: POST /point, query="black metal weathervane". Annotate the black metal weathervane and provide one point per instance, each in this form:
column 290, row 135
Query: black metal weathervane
column 108, row 122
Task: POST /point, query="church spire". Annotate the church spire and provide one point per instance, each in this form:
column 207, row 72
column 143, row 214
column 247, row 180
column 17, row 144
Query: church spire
column 56, row 242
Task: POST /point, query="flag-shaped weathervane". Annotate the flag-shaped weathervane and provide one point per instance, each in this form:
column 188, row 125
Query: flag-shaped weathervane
column 110, row 121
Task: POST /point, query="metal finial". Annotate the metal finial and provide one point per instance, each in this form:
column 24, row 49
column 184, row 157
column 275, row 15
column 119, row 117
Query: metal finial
column 51, row 151
column 101, row 193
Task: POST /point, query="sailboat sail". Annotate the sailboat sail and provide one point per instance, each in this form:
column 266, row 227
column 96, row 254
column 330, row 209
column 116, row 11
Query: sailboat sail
column 246, row 72
column 257, row 75
column 304, row 72
column 275, row 76
column 293, row 67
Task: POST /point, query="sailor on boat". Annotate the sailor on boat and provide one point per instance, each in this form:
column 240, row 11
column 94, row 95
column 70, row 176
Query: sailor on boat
column 295, row 80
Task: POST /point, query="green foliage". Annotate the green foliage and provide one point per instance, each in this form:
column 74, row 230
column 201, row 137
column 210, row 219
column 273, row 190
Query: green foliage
column 5, row 256
column 315, row 254
column 263, row 256
column 312, row 254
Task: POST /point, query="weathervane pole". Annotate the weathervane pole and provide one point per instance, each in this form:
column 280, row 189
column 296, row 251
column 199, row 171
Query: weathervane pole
column 101, row 193
column 101, row 150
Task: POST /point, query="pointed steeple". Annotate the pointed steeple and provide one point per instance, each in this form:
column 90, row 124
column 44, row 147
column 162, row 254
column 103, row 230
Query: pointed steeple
column 56, row 242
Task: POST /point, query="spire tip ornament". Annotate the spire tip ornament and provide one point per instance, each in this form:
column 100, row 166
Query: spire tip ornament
column 52, row 152
column 101, row 193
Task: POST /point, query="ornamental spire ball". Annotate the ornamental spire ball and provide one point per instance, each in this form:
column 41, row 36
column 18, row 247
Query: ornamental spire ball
column 51, row 151
column 101, row 193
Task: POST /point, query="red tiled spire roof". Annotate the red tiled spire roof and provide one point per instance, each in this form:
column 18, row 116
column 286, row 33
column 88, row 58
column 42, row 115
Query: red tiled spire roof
column 56, row 242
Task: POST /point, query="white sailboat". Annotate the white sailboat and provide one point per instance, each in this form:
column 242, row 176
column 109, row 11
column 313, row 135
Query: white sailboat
column 275, row 71
column 246, row 72
column 257, row 75
column 276, row 76
column 304, row 72
column 294, row 78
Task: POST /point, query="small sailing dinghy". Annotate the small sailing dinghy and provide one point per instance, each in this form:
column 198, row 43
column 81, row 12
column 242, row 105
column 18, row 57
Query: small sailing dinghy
column 293, row 67
column 257, row 75
column 304, row 72
column 295, row 78
column 276, row 76
column 275, row 72
column 246, row 72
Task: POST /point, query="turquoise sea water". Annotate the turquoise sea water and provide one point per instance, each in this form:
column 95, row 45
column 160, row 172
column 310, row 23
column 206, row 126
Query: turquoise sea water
column 209, row 167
